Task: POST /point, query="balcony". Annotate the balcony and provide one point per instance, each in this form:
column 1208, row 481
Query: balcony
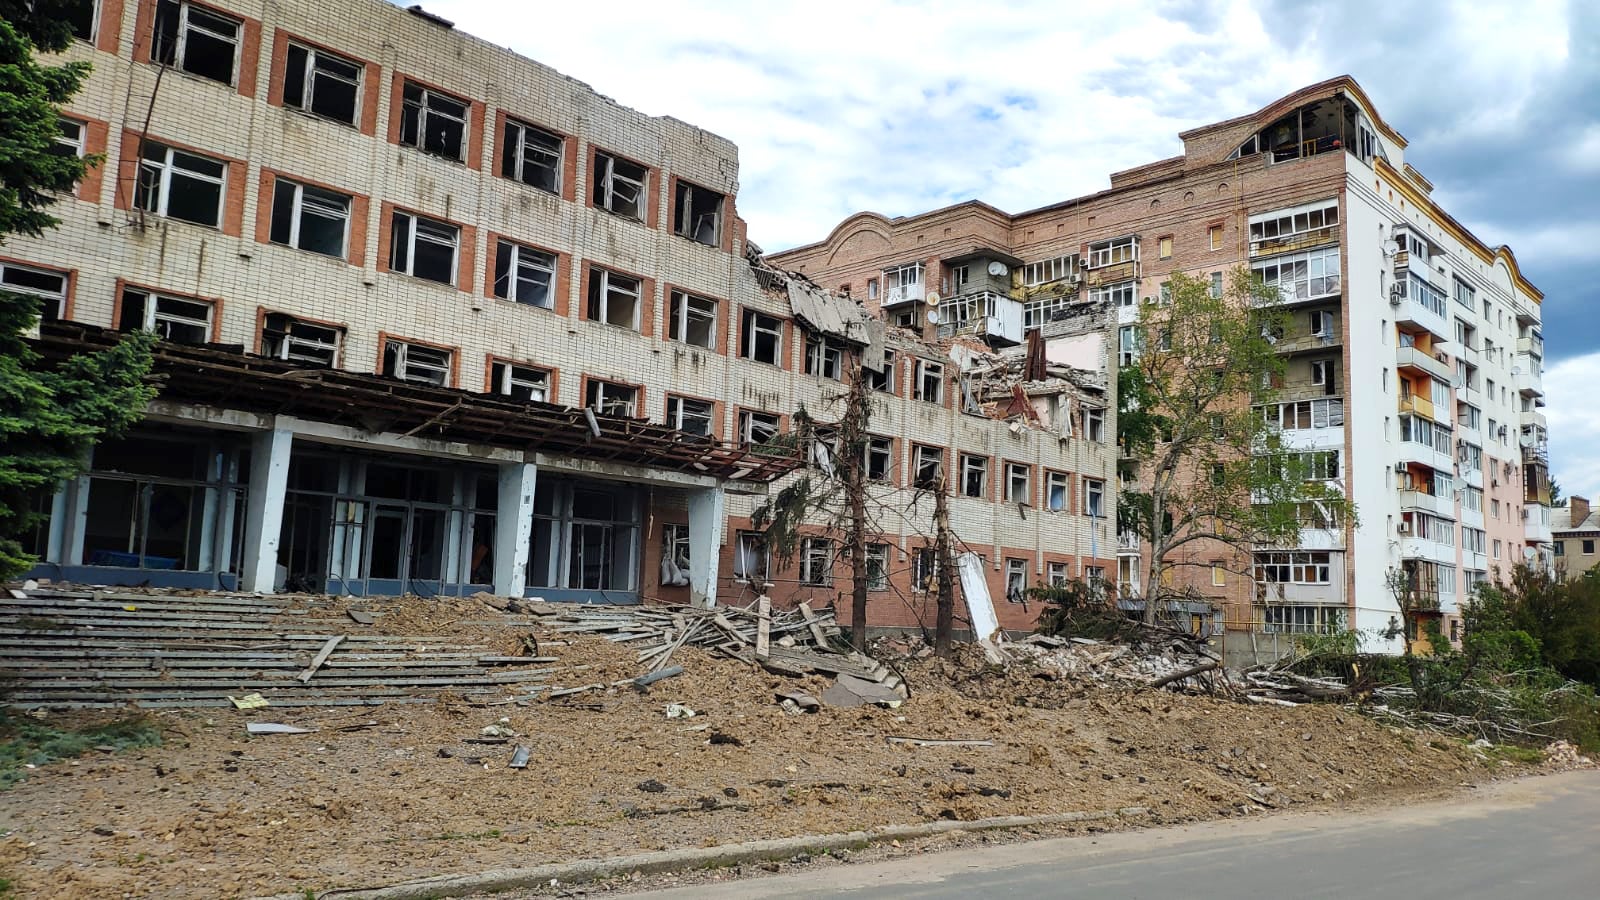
column 1308, row 342
column 1411, row 452
column 986, row 314
column 1470, row 394
column 1411, row 357
column 1531, row 343
column 1469, row 353
column 1428, row 503
column 1412, row 547
column 1420, row 305
column 1412, row 403
column 1128, row 542
column 1303, row 240
column 1529, row 381
column 903, row 293
column 1535, row 532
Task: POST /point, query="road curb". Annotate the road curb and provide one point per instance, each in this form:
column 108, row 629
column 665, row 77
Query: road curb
column 583, row 870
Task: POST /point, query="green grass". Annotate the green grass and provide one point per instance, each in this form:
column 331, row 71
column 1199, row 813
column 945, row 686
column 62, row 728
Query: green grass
column 25, row 742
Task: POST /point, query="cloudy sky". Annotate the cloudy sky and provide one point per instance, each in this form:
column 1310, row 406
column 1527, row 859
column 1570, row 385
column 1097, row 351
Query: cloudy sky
column 839, row 107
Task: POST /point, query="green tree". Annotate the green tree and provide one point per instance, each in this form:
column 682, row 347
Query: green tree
column 1203, row 462
column 49, row 418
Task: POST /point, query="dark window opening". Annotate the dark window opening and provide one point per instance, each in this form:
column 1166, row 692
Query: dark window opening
column 309, row 218
column 610, row 398
column 613, row 299
column 532, row 156
column 761, row 337
column 49, row 287
column 288, row 338
column 423, row 248
column 697, row 214
column 690, row 415
column 524, row 275
column 180, row 185
column 319, row 82
column 414, row 362
column 619, row 186
column 929, row 468
column 195, row 40
column 172, row 318
column 693, row 320
column 433, row 122
column 520, row 382
column 881, row 381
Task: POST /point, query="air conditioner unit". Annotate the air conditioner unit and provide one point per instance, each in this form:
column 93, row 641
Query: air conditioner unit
column 1400, row 468
column 1403, row 528
column 1397, row 292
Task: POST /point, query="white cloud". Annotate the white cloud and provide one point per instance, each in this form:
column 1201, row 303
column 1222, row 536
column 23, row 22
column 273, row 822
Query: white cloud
column 1574, row 418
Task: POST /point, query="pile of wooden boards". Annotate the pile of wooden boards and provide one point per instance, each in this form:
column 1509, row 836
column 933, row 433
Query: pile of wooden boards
column 107, row 648
column 788, row 642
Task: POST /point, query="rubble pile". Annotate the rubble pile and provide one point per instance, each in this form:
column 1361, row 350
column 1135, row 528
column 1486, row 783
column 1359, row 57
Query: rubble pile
column 1123, row 664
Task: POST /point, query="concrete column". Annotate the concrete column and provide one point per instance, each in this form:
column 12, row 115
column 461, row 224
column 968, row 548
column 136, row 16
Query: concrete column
column 513, row 528
column 707, row 515
column 269, row 481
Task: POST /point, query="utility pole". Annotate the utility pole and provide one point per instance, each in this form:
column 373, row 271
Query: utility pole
column 944, row 621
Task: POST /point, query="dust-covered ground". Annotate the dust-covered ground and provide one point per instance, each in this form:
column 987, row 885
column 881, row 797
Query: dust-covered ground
column 376, row 795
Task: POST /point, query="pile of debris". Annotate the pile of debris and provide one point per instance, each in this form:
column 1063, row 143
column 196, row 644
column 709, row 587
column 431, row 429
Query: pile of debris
column 785, row 642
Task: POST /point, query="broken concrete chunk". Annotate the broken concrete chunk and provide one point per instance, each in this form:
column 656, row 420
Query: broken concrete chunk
column 679, row 711
column 275, row 728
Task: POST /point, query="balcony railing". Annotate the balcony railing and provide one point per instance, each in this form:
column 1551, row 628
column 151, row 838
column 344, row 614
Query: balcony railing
column 903, row 293
column 1127, row 542
column 1417, row 359
column 983, row 314
column 1415, row 404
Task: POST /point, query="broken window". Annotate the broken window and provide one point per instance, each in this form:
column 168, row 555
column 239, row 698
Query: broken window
column 1035, row 313
column 619, row 185
column 751, row 561
column 70, row 142
column 757, row 428
column 180, row 185
column 433, row 122
column 877, row 567
column 415, row 362
column 928, row 467
column 697, row 214
column 691, row 415
column 309, row 218
column 1094, row 424
column 1127, row 345
column 929, row 384
column 1056, row 491
column 816, row 562
column 1056, row 573
column 1094, row 498
column 1113, row 252
column 423, row 248
column 1018, row 486
column 613, row 298
column 974, row 475
column 612, row 399
column 924, row 570
column 532, row 156
column 176, row 319
column 1016, row 580
column 195, row 40
column 285, row 337
column 1324, row 372
column 824, row 358
column 524, row 275
column 761, row 337
column 879, row 453
column 1048, row 270
column 693, row 320
column 520, row 382
column 320, row 82
column 882, row 381
column 49, row 287
column 82, row 16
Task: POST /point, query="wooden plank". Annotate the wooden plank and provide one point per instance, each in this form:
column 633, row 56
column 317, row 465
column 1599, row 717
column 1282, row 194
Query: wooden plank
column 321, row 657
column 814, row 624
column 763, row 626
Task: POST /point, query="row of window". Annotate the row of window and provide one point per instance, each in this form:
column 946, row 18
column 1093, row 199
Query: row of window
column 206, row 43
column 927, row 470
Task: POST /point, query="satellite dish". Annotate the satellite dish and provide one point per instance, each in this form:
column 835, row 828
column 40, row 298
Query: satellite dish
column 998, row 268
column 1529, row 553
column 1457, row 380
column 933, row 317
column 934, row 298
column 1527, row 439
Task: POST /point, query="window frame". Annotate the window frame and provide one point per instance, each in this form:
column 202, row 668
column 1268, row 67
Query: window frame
column 78, row 146
column 1053, row 482
column 515, row 161
column 1094, row 498
column 595, row 398
column 924, row 456
column 681, row 308
column 152, row 318
column 824, row 357
column 298, row 212
column 178, row 51
column 968, row 470
column 309, row 71
column 752, row 419
column 605, row 193
column 279, row 340
column 159, row 204
column 816, row 562
column 416, row 114
column 882, row 381
column 402, row 362
column 877, row 563
column 684, row 196
column 597, row 307
column 677, row 415
column 509, row 264
column 414, row 235
column 60, row 311
column 1016, row 568
column 921, row 383
column 748, row 543
column 750, row 325
column 506, row 377
column 1013, row 470
column 880, row 448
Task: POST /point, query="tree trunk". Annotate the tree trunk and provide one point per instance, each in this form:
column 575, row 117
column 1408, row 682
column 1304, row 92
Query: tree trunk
column 944, row 621
column 856, row 486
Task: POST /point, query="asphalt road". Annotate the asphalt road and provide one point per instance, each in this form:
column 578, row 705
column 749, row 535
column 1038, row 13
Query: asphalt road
column 1526, row 840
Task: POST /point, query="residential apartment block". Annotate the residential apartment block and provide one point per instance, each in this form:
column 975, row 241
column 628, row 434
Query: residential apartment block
column 1575, row 528
column 1414, row 358
column 437, row 319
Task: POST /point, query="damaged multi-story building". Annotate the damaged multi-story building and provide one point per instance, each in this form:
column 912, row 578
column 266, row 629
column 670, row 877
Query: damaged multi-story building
column 437, row 319
column 1413, row 361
